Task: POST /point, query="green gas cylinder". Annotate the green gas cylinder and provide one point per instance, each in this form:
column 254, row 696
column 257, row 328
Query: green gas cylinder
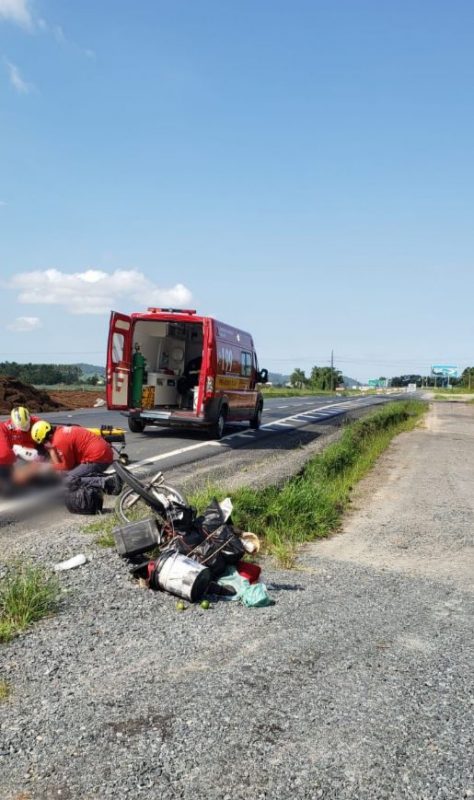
column 138, row 372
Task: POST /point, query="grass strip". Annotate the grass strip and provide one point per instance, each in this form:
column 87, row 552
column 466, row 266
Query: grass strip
column 275, row 391
column 311, row 504
column 27, row 593
column 4, row 690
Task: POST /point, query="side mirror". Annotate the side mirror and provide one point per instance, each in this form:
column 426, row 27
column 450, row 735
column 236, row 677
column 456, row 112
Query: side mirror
column 262, row 376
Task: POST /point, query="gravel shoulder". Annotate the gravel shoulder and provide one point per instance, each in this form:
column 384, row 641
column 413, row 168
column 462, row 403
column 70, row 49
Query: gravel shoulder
column 356, row 684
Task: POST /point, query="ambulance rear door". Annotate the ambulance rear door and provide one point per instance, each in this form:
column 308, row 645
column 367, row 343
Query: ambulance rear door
column 119, row 353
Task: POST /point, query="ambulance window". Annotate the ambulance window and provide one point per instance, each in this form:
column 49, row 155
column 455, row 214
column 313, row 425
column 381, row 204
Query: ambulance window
column 246, row 364
column 117, row 347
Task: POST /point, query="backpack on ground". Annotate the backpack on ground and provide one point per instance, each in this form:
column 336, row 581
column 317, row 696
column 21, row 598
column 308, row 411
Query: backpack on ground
column 83, row 499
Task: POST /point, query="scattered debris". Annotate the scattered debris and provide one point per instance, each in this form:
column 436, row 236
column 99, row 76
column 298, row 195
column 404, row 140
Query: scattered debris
column 199, row 556
column 250, row 542
column 251, row 595
column 99, row 403
column 71, row 563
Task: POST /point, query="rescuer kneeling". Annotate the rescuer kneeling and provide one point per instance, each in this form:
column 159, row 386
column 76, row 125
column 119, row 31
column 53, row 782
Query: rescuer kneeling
column 76, row 453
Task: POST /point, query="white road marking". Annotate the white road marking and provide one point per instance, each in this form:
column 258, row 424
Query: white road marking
column 221, row 442
column 178, row 452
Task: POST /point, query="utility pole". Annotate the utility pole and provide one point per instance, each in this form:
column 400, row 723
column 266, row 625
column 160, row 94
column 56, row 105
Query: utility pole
column 332, row 370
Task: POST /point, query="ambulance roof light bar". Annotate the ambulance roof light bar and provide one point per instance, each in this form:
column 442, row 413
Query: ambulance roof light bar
column 171, row 310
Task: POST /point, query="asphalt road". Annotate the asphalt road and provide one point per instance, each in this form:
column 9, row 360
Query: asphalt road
column 176, row 447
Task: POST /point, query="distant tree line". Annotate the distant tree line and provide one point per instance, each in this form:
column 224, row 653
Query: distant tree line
column 46, row 374
column 325, row 378
column 466, row 379
column 320, row 378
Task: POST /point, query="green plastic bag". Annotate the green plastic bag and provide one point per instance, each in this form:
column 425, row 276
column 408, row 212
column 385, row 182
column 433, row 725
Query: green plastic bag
column 251, row 595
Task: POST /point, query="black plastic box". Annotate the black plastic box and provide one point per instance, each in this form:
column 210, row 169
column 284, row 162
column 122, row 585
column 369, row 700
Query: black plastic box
column 136, row 537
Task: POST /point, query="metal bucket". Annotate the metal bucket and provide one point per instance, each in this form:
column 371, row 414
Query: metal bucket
column 182, row 576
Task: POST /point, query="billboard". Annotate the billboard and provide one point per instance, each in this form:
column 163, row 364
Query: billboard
column 444, row 371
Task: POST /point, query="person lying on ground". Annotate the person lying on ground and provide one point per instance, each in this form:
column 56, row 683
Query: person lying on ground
column 7, row 457
column 77, row 453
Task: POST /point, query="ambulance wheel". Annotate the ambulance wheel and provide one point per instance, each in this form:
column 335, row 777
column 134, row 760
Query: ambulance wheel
column 136, row 425
column 217, row 429
column 256, row 420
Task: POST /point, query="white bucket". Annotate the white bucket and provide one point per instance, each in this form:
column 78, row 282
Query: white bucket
column 182, row 576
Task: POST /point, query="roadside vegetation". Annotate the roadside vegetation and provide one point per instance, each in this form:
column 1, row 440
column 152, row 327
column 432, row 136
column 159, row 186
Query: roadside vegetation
column 282, row 391
column 4, row 690
column 311, row 504
column 27, row 593
column 286, row 391
column 444, row 392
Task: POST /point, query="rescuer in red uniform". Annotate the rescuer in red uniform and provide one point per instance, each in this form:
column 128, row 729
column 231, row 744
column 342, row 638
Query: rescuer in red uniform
column 20, row 424
column 74, row 451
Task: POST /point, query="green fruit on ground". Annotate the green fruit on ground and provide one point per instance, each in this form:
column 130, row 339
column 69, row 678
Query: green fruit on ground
column 180, row 606
column 205, row 604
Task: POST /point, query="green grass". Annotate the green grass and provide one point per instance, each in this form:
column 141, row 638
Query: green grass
column 276, row 391
column 103, row 526
column 106, row 540
column 451, row 390
column 27, row 594
column 448, row 396
column 69, row 387
column 311, row 504
column 4, row 691
column 283, row 391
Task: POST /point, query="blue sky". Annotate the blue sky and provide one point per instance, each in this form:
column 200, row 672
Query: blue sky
column 302, row 169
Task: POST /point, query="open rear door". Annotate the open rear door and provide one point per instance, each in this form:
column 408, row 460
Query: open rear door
column 119, row 350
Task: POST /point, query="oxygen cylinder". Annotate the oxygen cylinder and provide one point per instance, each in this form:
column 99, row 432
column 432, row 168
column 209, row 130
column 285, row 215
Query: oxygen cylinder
column 138, row 372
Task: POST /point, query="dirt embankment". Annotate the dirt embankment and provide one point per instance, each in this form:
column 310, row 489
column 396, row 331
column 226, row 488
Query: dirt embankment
column 71, row 398
column 15, row 393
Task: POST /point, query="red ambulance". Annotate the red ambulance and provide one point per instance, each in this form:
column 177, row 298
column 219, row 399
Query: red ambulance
column 171, row 367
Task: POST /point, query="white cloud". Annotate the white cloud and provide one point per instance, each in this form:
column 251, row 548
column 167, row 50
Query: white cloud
column 18, row 12
column 16, row 79
column 24, row 324
column 95, row 291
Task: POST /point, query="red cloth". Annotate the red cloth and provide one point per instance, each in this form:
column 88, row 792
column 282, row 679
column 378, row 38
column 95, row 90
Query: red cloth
column 7, row 456
column 22, row 438
column 75, row 445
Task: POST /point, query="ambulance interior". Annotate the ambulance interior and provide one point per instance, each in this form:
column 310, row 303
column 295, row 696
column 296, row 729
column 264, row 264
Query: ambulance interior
column 173, row 353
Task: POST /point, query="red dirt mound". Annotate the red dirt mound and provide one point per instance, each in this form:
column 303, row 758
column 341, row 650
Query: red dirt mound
column 15, row 393
column 75, row 398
